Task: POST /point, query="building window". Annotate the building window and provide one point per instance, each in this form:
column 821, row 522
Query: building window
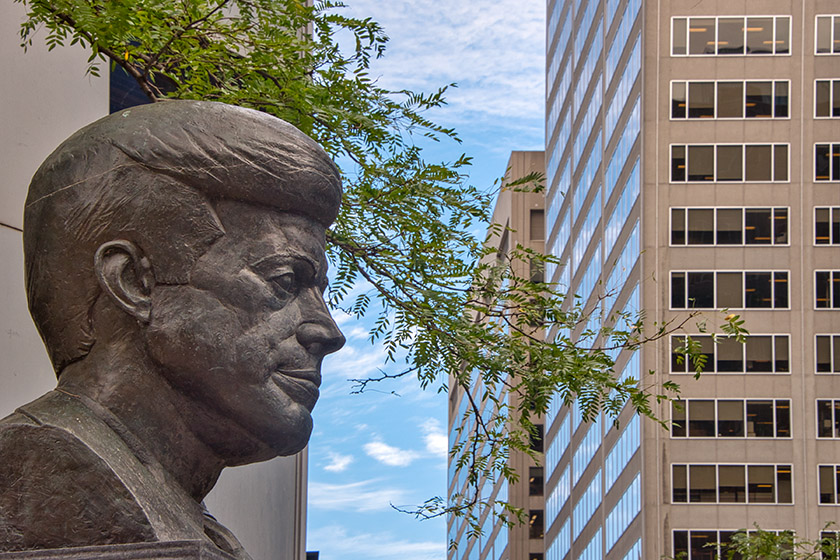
column 828, row 418
column 827, row 289
column 730, row 290
column 535, row 481
column 827, row 162
column 537, row 223
column 829, row 480
column 750, row 163
column 537, row 438
column 753, row 35
column 826, row 98
column 535, row 556
column 827, row 353
column 828, row 34
column 760, row 354
column 536, row 524
column 730, row 100
column 730, row 418
column 703, row 544
column 723, row 484
column 827, row 226
column 729, row 226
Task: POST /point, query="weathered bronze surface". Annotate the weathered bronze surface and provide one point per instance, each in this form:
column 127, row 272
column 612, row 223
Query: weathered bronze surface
column 175, row 269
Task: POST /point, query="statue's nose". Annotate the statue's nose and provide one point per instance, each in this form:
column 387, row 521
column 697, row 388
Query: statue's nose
column 318, row 333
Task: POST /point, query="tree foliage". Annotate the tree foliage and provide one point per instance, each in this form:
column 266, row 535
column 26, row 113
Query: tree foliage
column 406, row 231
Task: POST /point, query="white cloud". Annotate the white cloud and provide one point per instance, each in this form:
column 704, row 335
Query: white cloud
column 338, row 462
column 368, row 495
column 389, row 455
column 334, row 541
column 437, row 443
column 493, row 49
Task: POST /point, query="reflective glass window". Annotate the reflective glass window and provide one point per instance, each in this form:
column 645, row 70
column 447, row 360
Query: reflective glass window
column 731, row 36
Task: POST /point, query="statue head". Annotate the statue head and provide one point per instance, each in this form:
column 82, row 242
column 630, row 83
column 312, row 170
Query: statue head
column 193, row 233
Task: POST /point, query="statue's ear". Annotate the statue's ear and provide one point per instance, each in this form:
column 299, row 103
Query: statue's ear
column 125, row 275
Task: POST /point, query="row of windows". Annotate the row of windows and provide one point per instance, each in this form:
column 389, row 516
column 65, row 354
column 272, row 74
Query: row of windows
column 726, row 484
column 704, row 544
column 730, row 35
column 729, row 290
column 751, row 163
column 747, row 226
column 731, row 418
column 586, row 505
column 624, row 512
column 759, row 354
column 730, row 99
column 729, row 226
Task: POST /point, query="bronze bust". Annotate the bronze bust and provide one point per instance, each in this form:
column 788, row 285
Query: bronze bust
column 175, row 270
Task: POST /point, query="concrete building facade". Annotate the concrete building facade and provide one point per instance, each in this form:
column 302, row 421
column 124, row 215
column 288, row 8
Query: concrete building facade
column 45, row 98
column 692, row 162
column 522, row 216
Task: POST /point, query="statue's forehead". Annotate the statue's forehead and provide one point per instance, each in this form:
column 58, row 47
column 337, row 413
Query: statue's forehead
column 258, row 234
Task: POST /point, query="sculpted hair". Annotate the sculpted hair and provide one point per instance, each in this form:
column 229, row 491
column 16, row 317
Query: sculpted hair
column 150, row 175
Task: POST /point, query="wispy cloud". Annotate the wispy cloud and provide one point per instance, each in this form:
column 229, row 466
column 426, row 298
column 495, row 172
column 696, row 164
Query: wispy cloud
column 486, row 46
column 436, row 440
column 338, row 462
column 334, row 541
column 390, row 455
column 364, row 496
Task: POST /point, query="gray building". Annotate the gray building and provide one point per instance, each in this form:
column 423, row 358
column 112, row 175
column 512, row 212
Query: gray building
column 45, row 98
column 693, row 161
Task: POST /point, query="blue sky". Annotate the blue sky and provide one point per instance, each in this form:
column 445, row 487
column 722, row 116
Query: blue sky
column 388, row 446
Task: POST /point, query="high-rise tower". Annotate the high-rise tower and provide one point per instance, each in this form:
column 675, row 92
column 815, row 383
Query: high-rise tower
column 693, row 162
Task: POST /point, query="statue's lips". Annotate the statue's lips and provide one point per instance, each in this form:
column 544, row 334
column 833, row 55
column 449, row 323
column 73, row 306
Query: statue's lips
column 300, row 384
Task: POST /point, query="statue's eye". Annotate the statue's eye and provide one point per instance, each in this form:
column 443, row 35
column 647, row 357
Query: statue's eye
column 286, row 282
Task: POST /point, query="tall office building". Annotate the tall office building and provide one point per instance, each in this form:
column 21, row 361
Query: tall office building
column 693, row 162
column 522, row 216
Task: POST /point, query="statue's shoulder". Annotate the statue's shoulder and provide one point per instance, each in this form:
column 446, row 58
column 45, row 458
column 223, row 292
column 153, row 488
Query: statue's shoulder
column 55, row 490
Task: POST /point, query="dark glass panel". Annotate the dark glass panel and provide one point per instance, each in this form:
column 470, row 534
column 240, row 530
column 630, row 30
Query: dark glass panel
column 701, row 290
column 757, row 289
column 758, row 226
column 760, row 419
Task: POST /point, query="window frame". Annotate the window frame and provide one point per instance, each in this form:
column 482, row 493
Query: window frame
column 746, row 501
column 774, row 358
column 834, row 276
column 717, row 532
column 831, row 211
column 717, row 19
column 715, row 298
column 743, row 209
column 836, row 485
column 743, row 146
column 744, row 401
column 835, row 418
column 830, row 39
column 831, row 82
column 831, row 148
column 743, row 99
column 833, row 359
